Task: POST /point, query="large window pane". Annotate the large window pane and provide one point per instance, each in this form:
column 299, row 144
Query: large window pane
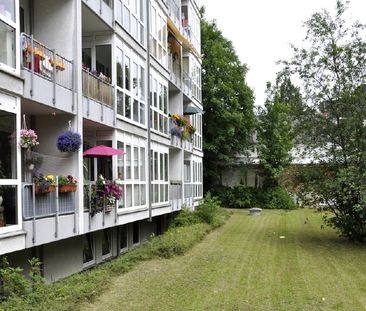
column 134, row 78
column 136, row 193
column 119, row 63
column 8, row 206
column 120, row 103
column 128, row 195
column 136, row 162
column 7, row 46
column 123, row 237
column 88, row 248
column 7, row 9
column 120, row 162
column 142, row 164
column 7, row 145
column 128, row 162
column 135, row 110
column 106, row 244
column 127, row 73
column 127, row 106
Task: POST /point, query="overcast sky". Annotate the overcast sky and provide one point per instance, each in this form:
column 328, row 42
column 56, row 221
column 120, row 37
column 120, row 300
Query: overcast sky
column 261, row 31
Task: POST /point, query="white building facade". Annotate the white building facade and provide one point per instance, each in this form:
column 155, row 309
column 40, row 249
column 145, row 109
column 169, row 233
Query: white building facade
column 114, row 71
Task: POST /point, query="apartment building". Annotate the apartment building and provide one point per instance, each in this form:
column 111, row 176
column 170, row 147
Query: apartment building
column 121, row 73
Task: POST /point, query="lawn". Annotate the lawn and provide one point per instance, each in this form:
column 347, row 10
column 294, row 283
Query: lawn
column 245, row 265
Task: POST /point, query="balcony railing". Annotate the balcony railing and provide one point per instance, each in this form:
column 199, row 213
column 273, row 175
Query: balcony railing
column 187, row 84
column 45, row 62
column 175, row 71
column 97, row 89
column 175, row 190
column 188, row 190
column 47, row 204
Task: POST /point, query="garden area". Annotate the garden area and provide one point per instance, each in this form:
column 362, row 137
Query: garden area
column 281, row 260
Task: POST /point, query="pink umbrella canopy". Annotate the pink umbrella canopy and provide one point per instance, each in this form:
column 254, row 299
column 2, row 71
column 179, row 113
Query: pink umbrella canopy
column 102, row 151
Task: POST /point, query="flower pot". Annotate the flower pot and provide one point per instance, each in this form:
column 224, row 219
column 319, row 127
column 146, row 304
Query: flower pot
column 49, row 189
column 109, row 208
column 67, row 188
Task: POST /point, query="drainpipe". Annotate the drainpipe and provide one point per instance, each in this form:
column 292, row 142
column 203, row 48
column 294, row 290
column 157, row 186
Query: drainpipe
column 149, row 177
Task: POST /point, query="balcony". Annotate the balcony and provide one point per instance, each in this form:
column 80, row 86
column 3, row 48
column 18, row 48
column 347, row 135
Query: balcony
column 187, row 85
column 175, row 194
column 102, row 8
column 178, row 137
column 188, row 194
column 48, row 75
column 48, row 216
column 98, row 99
column 175, row 71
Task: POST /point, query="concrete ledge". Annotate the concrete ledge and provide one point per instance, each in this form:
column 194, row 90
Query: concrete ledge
column 12, row 241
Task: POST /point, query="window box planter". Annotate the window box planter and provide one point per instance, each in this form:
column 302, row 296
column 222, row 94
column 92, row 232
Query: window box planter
column 109, row 208
column 39, row 190
column 67, row 188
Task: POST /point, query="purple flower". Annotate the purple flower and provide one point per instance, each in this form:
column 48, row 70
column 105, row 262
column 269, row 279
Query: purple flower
column 69, row 141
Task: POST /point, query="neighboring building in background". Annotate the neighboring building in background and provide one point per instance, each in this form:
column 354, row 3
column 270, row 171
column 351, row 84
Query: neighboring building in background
column 115, row 72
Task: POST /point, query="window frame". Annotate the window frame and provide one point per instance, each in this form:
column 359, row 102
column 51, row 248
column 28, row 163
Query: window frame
column 11, row 104
column 14, row 25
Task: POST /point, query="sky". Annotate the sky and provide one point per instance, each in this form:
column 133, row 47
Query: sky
column 262, row 30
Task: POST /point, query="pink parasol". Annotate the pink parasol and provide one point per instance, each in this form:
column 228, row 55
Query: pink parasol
column 102, row 151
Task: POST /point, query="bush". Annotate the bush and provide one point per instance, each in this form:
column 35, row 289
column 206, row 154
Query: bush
column 239, row 196
column 276, row 198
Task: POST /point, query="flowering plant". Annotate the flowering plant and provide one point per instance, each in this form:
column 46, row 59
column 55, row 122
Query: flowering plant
column 104, row 192
column 66, row 180
column 43, row 182
column 182, row 127
column 28, row 138
column 69, row 141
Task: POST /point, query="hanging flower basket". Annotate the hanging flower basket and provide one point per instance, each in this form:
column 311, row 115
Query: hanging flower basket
column 69, row 141
column 28, row 137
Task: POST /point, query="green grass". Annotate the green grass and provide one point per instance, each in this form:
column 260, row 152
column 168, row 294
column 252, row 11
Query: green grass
column 244, row 265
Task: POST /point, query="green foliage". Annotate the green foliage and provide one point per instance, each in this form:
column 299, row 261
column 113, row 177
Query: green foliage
column 241, row 196
column 33, row 295
column 276, row 198
column 332, row 71
column 275, row 141
column 228, row 121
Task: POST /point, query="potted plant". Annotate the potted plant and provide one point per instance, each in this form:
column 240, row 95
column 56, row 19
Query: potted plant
column 67, row 184
column 44, row 184
column 28, row 138
column 104, row 195
column 69, row 141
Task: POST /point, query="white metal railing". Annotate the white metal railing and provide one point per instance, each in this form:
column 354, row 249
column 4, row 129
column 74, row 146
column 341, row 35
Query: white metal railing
column 96, row 88
column 175, row 71
column 45, row 62
column 175, row 190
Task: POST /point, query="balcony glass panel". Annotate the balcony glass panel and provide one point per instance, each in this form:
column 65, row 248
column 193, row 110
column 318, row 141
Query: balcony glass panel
column 7, row 46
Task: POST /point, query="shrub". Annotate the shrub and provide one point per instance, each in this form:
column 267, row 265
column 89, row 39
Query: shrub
column 275, row 198
column 239, row 196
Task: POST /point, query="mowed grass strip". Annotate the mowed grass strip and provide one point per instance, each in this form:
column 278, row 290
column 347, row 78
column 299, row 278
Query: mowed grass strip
column 245, row 265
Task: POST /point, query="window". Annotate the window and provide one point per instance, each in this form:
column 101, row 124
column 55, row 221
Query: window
column 106, row 244
column 131, row 170
column 159, row 104
column 8, row 170
column 197, row 178
column 136, row 233
column 88, row 249
column 7, row 9
column 196, row 121
column 160, row 176
column 130, row 86
column 158, row 35
column 130, row 15
column 7, row 46
column 123, row 238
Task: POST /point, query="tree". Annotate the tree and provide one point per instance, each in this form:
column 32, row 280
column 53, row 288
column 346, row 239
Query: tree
column 228, row 121
column 275, row 139
column 332, row 69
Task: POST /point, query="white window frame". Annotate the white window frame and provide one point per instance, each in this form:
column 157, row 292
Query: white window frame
column 108, row 255
column 15, row 25
column 12, row 105
column 161, row 182
column 158, row 34
column 93, row 261
column 159, row 83
column 138, row 95
column 141, row 144
column 196, row 121
column 138, row 14
column 197, row 178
